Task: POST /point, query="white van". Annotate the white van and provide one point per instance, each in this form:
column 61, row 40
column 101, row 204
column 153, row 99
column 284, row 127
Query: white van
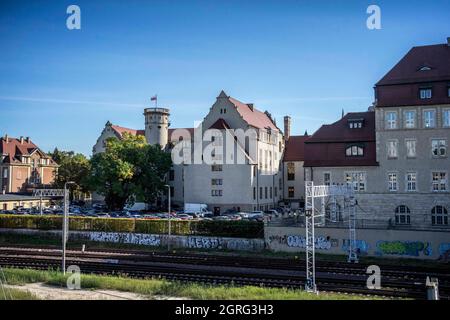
column 199, row 209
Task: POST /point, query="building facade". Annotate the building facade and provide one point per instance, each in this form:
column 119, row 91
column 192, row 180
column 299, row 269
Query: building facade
column 24, row 166
column 396, row 154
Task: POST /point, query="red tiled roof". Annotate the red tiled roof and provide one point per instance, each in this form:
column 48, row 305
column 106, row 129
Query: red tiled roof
column 121, row 130
column 407, row 70
column 327, row 146
column 295, row 148
column 253, row 116
column 14, row 148
column 220, row 124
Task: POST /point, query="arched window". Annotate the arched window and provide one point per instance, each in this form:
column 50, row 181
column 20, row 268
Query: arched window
column 354, row 151
column 439, row 216
column 402, row 215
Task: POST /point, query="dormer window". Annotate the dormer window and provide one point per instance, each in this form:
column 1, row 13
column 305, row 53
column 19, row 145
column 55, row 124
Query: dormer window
column 355, row 123
column 354, row 151
column 425, row 68
column 426, row 93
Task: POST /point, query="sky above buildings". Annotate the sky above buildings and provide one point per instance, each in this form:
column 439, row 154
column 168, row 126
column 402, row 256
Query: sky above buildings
column 306, row 59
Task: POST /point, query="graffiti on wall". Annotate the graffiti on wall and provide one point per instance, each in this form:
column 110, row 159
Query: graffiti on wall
column 223, row 243
column 444, row 251
column 404, row 248
column 321, row 243
column 133, row 238
column 362, row 247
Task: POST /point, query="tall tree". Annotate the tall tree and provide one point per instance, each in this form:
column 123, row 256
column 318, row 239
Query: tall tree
column 129, row 168
column 72, row 167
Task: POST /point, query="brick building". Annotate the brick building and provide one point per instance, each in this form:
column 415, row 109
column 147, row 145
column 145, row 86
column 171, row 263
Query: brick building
column 24, row 166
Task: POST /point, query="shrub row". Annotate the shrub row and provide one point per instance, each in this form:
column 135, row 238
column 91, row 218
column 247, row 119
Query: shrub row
column 243, row 229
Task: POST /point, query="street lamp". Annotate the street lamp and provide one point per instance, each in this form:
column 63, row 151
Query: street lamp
column 168, row 204
column 65, row 227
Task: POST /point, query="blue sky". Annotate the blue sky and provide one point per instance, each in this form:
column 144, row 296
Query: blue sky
column 307, row 59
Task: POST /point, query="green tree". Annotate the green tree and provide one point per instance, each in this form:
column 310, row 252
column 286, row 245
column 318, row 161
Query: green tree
column 72, row 167
column 129, row 168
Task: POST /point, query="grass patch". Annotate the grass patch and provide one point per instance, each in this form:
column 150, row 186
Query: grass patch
column 153, row 287
column 16, row 294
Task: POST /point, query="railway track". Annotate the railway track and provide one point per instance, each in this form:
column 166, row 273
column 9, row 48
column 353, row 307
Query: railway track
column 215, row 269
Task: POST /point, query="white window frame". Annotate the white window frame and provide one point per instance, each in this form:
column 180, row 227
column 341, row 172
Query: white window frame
column 442, row 184
column 360, row 184
column 446, row 119
column 414, row 143
column 410, row 123
column 406, row 214
column 394, row 143
column 391, row 124
column 443, row 215
column 425, row 93
column 441, row 145
column 411, row 182
column 432, row 121
column 392, row 183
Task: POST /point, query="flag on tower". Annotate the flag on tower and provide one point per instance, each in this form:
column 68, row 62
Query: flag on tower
column 155, row 98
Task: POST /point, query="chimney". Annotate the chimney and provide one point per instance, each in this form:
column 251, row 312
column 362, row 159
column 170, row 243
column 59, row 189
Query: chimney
column 21, row 139
column 287, row 127
column 6, row 138
column 27, row 139
column 250, row 105
column 448, row 41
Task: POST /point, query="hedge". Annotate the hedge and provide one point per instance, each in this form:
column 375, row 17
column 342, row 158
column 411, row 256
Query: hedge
column 240, row 229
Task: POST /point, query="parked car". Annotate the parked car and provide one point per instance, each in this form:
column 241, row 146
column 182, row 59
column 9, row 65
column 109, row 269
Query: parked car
column 184, row 216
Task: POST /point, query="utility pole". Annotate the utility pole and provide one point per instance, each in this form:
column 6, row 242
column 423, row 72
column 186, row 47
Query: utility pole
column 168, row 205
column 65, row 227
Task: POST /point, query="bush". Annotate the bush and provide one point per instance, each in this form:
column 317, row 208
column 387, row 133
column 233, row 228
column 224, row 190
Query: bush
column 242, row 229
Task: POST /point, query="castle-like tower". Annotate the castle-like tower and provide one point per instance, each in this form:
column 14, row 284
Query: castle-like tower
column 157, row 126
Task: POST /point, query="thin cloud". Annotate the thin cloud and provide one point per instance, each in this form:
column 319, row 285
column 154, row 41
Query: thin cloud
column 310, row 99
column 59, row 101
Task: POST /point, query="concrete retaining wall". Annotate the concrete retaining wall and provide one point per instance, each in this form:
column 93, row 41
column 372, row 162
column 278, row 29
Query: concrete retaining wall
column 370, row 242
column 197, row 242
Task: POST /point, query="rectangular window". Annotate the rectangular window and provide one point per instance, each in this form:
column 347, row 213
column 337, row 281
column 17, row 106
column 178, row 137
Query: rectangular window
column 439, row 181
column 411, row 181
column 429, row 118
column 275, row 191
column 171, row 175
column 270, row 193
column 5, row 173
column 327, row 178
column 265, row 192
column 426, row 93
column 410, row 148
column 391, row 120
column 410, row 119
column 392, row 182
column 439, row 147
column 446, row 118
column 357, row 180
column 260, row 192
column 216, row 182
column 216, row 167
column 172, row 191
column 254, row 193
column 291, row 192
column 216, row 193
column 392, row 150
column 290, row 171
